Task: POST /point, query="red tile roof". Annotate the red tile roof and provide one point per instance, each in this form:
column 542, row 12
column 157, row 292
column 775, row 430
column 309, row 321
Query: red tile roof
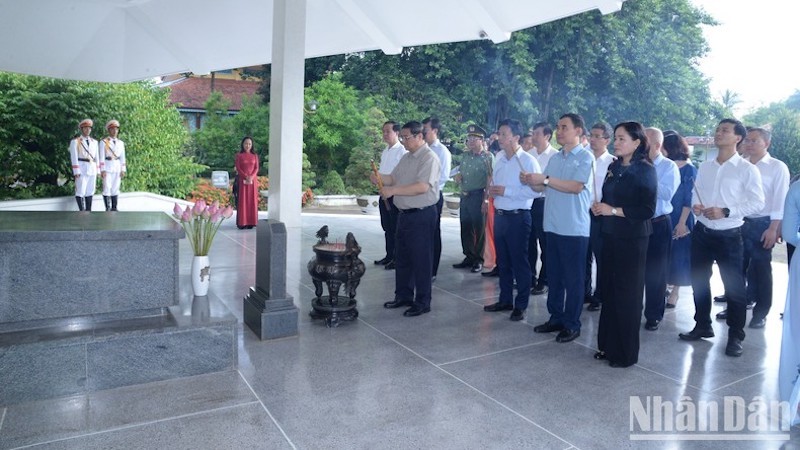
column 193, row 92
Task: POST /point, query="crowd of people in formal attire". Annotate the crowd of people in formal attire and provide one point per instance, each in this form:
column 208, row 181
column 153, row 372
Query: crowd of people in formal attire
column 649, row 221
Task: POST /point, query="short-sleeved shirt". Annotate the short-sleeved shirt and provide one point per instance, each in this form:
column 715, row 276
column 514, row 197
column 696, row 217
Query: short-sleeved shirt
column 565, row 213
column 419, row 166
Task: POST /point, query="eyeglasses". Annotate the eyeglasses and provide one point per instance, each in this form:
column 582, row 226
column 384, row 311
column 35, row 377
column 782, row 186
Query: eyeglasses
column 405, row 138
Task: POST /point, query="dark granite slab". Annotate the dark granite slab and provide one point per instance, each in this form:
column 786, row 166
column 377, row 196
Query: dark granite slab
column 17, row 226
column 57, row 264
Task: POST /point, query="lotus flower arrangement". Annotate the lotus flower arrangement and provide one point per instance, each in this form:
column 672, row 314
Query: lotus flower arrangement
column 201, row 223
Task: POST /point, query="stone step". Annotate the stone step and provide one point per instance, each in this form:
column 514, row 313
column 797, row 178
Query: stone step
column 61, row 357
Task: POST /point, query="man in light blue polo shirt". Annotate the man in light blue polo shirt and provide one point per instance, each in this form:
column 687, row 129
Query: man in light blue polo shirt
column 568, row 182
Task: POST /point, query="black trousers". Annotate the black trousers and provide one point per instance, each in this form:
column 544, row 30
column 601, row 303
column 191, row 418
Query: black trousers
column 437, row 238
column 414, row 256
column 655, row 279
column 622, row 273
column 472, row 227
column 724, row 247
column 389, row 225
column 536, row 242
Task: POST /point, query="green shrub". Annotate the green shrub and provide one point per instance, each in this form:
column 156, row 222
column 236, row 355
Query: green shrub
column 332, row 184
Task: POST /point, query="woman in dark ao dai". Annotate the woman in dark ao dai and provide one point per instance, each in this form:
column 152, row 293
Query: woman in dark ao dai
column 628, row 203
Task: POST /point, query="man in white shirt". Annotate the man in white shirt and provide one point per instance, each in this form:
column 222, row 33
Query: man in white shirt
column 541, row 133
column 762, row 229
column 512, row 219
column 660, row 243
column 431, row 129
column 112, row 165
column 599, row 139
column 389, row 158
column 727, row 190
column 84, row 155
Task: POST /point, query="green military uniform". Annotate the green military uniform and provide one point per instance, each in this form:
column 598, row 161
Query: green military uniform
column 474, row 170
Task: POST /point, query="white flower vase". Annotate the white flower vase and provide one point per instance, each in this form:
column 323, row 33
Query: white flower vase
column 201, row 275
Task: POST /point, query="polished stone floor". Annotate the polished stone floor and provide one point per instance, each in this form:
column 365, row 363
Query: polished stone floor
column 454, row 378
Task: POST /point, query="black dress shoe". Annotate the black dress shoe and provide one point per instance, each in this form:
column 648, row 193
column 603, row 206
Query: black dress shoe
column 758, row 323
column 463, row 264
column 651, row 325
column 383, row 261
column 720, row 299
column 669, row 305
column 567, row 335
column 600, row 355
column 477, row 267
column 492, row 273
column 397, row 303
column 389, row 266
column 697, row 334
column 722, row 315
column 594, row 306
column 539, row 289
column 548, row 327
column 734, row 347
column 416, row 311
column 517, row 315
column 494, row 307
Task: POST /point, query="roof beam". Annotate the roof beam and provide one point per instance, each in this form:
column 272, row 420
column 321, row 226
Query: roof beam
column 489, row 27
column 368, row 26
column 609, row 6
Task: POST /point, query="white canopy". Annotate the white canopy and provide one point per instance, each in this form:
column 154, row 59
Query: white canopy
column 127, row 40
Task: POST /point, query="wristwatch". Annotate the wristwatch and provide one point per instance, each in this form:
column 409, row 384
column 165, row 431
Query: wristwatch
column 726, row 212
column 613, row 211
column 546, row 180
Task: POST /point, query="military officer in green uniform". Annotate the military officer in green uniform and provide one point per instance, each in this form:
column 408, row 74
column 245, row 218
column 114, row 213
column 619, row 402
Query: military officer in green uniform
column 472, row 177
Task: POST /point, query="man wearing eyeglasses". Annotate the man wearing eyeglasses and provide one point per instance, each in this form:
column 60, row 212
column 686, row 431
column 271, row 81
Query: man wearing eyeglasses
column 414, row 185
column 431, row 129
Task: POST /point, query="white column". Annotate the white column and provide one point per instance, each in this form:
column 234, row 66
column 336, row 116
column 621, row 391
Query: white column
column 286, row 111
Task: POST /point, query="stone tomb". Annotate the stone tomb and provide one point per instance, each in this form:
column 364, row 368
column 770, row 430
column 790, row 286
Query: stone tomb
column 90, row 301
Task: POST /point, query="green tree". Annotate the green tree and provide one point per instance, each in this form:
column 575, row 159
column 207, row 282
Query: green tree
column 155, row 139
column 369, row 149
column 785, row 144
column 216, row 143
column 39, row 115
column 332, row 131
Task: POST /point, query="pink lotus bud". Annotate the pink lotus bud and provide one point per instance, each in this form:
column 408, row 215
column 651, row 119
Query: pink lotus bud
column 227, row 212
column 177, row 211
column 214, row 208
column 205, row 214
column 216, row 216
column 199, row 207
column 187, row 215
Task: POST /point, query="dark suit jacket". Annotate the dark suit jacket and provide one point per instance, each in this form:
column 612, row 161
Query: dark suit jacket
column 632, row 188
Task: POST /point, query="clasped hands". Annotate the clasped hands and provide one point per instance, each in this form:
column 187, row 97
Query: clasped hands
column 601, row 209
column 531, row 179
column 711, row 213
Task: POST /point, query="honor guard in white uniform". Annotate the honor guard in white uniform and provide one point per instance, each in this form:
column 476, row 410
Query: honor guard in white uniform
column 112, row 165
column 84, row 155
